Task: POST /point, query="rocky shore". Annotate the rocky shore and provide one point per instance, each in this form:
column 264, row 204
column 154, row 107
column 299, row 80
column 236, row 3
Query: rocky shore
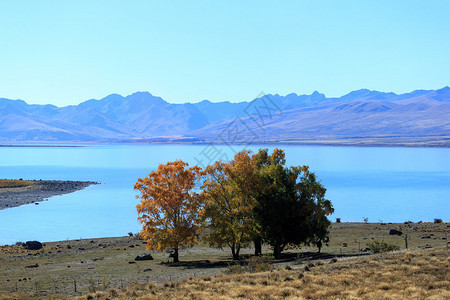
column 39, row 191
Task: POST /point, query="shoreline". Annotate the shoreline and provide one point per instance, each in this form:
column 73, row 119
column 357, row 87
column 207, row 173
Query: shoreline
column 403, row 226
column 40, row 191
column 343, row 142
column 39, row 146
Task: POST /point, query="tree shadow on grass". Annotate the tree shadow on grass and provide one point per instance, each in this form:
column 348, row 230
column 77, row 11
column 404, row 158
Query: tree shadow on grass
column 292, row 256
column 199, row 264
column 285, row 257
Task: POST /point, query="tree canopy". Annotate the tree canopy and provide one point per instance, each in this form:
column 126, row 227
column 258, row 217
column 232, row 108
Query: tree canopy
column 229, row 204
column 253, row 197
column 169, row 208
column 291, row 208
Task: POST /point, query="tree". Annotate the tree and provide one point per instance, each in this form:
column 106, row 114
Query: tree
column 291, row 206
column 169, row 209
column 319, row 208
column 229, row 203
column 320, row 225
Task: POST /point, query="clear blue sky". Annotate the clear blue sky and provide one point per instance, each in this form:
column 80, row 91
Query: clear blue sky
column 65, row 52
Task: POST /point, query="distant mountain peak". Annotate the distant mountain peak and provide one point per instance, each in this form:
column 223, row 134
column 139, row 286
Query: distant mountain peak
column 317, row 95
column 357, row 93
column 146, row 97
column 143, row 115
column 113, row 96
column 442, row 95
column 141, row 93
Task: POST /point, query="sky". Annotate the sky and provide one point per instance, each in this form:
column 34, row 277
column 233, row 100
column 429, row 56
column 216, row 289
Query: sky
column 65, row 52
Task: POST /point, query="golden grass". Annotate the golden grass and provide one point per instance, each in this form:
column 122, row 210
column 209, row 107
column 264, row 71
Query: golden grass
column 417, row 274
column 8, row 183
column 107, row 265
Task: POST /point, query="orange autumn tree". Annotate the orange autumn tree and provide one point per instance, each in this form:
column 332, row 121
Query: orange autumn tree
column 169, row 208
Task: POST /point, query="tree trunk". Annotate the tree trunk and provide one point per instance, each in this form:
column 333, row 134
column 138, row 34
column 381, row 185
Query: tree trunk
column 238, row 249
column 276, row 251
column 319, row 245
column 258, row 246
column 235, row 251
column 175, row 255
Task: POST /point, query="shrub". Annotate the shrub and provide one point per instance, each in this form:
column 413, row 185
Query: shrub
column 437, row 221
column 258, row 264
column 113, row 293
column 91, row 286
column 235, row 269
column 382, row 246
column 33, row 245
column 338, row 220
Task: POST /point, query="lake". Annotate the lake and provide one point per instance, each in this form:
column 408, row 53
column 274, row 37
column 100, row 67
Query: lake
column 381, row 184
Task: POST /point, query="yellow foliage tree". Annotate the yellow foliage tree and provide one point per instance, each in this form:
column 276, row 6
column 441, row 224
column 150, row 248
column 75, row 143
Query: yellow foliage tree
column 229, row 202
column 169, row 208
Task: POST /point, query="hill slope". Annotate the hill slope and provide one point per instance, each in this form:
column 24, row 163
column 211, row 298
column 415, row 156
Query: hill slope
column 424, row 117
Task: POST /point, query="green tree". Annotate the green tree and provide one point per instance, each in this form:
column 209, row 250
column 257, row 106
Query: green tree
column 319, row 208
column 290, row 208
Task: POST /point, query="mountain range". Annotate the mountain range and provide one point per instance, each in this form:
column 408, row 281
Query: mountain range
column 421, row 117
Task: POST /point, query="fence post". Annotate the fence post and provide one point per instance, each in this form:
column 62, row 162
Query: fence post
column 406, row 240
column 75, row 285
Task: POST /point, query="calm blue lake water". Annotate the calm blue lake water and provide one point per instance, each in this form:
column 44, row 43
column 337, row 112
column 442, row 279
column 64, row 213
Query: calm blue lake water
column 388, row 184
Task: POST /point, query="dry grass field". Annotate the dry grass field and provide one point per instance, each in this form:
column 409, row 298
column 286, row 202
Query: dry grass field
column 417, row 274
column 105, row 268
column 7, row 183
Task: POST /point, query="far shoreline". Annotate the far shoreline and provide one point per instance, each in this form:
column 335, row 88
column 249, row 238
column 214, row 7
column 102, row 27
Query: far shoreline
column 375, row 143
column 40, row 146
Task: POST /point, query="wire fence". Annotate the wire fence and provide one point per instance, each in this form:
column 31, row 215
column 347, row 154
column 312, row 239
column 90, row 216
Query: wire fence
column 80, row 286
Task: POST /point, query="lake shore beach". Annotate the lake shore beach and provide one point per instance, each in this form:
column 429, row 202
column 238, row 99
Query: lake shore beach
column 37, row 191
